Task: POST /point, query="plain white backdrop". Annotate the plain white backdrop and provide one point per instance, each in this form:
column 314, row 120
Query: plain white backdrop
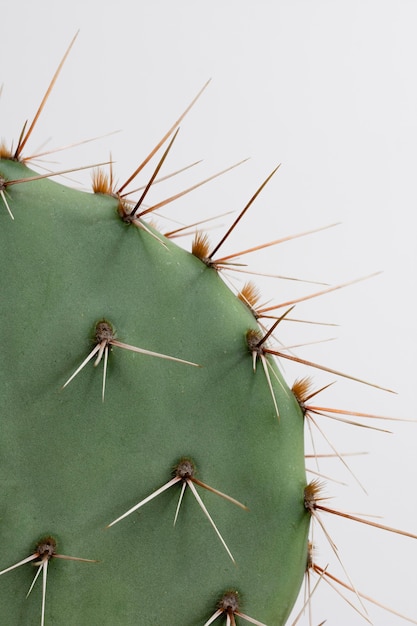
column 327, row 89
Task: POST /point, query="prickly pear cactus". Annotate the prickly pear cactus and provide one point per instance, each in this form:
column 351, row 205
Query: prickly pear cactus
column 152, row 455
column 83, row 279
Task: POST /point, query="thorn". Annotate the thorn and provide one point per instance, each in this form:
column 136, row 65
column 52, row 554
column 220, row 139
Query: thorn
column 319, row 293
column 183, row 487
column 178, row 232
column 106, row 356
column 184, row 472
column 254, row 342
column 183, row 193
column 331, row 456
column 32, row 557
column 83, row 364
column 23, row 139
column 242, row 213
column 308, row 601
column 279, row 353
column 40, row 566
column 215, row 615
column 337, row 454
column 67, row 147
column 141, row 224
column 219, row 493
column 302, row 391
column 365, row 521
column 271, row 243
column 105, row 337
column 327, row 576
column 311, row 499
column 44, row 577
column 250, row 295
column 153, row 495
column 323, row 410
column 263, row 339
column 45, row 550
column 207, row 514
column 3, row 196
column 329, row 478
column 163, row 178
column 152, row 178
column 231, row 267
column 126, row 346
column 29, row 179
column 265, row 365
column 162, row 141
column 312, row 503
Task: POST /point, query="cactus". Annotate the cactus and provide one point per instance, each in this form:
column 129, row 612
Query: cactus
column 153, row 460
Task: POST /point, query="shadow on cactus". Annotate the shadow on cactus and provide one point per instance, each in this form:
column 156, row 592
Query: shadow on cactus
column 188, row 394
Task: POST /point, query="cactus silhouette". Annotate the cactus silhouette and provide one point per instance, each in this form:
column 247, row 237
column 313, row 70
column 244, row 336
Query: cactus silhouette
column 147, row 429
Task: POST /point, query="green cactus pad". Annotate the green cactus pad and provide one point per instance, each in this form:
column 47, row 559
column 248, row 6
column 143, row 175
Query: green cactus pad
column 72, row 463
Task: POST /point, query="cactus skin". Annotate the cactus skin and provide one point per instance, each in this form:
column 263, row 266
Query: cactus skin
column 70, row 463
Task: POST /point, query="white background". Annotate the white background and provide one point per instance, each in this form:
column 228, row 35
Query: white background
column 328, row 89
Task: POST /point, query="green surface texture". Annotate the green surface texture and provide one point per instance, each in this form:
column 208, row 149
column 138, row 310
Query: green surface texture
column 70, row 463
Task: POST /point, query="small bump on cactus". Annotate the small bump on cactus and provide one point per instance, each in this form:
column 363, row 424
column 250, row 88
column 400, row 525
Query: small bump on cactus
column 229, row 605
column 45, row 551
